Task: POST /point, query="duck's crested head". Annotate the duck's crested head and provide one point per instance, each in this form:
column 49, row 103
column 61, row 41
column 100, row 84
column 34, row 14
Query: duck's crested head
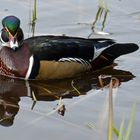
column 11, row 23
column 11, row 34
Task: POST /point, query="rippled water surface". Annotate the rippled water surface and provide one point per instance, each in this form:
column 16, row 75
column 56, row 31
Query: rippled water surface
column 28, row 109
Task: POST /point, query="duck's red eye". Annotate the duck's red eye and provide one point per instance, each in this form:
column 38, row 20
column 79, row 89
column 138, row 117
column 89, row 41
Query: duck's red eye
column 5, row 35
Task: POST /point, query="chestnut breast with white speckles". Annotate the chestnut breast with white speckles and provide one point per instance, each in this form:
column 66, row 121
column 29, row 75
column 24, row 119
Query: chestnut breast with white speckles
column 14, row 63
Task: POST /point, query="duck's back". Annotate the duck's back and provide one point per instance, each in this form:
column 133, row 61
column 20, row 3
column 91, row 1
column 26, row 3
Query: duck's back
column 57, row 47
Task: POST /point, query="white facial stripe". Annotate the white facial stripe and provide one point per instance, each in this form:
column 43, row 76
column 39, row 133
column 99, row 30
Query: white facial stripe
column 10, row 35
column 12, row 43
column 7, row 44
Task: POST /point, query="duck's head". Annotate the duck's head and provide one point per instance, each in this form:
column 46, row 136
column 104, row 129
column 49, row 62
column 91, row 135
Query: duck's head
column 11, row 35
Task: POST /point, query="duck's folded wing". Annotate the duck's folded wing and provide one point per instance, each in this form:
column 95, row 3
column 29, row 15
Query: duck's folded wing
column 61, row 69
column 57, row 47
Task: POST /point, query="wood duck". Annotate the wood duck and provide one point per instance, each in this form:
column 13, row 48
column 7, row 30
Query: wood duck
column 53, row 57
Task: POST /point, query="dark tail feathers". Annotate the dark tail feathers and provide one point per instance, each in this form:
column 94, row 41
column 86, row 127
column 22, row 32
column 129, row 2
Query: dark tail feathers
column 110, row 54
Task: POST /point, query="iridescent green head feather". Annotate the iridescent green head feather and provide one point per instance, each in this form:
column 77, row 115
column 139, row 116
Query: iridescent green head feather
column 11, row 35
column 12, row 23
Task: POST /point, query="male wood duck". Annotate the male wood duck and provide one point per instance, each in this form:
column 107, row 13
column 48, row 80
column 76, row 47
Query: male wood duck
column 53, row 57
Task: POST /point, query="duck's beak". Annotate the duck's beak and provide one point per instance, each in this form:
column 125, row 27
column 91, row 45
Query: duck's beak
column 13, row 43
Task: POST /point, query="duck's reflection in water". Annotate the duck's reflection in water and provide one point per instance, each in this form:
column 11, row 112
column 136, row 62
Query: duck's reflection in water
column 12, row 89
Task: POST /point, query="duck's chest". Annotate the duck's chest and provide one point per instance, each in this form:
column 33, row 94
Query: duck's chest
column 14, row 63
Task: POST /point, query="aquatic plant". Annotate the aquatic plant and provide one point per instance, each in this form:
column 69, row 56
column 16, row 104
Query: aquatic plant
column 34, row 100
column 110, row 120
column 74, row 88
column 33, row 18
column 121, row 134
column 101, row 16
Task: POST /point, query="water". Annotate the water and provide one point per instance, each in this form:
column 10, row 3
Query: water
column 86, row 114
